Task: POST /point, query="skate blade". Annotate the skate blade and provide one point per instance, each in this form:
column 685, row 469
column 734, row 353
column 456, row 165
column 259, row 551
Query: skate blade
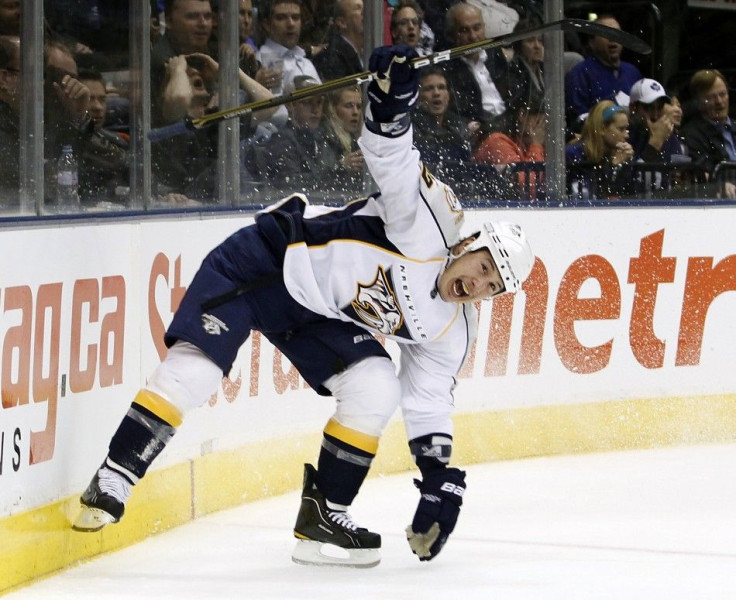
column 308, row 552
column 91, row 520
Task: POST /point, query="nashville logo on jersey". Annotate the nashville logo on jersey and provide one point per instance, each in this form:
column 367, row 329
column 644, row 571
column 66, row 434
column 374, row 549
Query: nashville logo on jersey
column 375, row 305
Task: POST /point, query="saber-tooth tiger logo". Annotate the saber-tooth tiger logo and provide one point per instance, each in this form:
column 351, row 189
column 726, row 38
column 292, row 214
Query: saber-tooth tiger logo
column 375, row 304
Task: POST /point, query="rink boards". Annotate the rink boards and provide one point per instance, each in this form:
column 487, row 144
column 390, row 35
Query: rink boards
column 623, row 337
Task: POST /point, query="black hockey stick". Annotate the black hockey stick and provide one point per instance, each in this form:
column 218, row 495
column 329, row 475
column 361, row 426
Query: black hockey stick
column 567, row 25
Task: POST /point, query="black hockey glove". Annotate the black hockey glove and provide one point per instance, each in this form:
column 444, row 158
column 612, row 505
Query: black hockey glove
column 393, row 91
column 442, row 496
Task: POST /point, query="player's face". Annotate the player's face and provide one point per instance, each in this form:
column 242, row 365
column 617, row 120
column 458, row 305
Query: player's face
column 285, row 24
column 407, row 27
column 433, row 95
column 190, row 24
column 471, row 277
column 714, row 102
column 349, row 110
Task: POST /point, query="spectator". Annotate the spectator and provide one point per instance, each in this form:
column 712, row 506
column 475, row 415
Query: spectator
column 10, row 17
column 104, row 159
column 526, row 70
column 343, row 55
column 524, row 142
column 280, row 52
column 245, row 24
column 604, row 150
column 188, row 30
column 440, row 134
column 317, row 17
column 186, row 164
column 601, row 76
column 408, row 28
column 472, row 77
column 499, row 18
column 709, row 135
column 66, row 120
column 248, row 48
column 297, row 156
column 435, row 12
column 9, row 119
column 652, row 123
column 342, row 129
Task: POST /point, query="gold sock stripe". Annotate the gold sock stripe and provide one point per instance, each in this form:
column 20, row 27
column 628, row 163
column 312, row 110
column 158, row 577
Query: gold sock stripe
column 362, row 441
column 159, row 406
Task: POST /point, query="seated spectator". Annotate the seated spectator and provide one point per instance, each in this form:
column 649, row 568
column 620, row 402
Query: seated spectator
column 344, row 53
column 526, row 69
column 709, row 135
column 104, row 159
column 601, row 76
column 248, row 49
column 473, row 79
column 280, row 53
column 342, row 129
column 297, row 156
column 652, row 123
column 9, row 119
column 186, row 164
column 440, row 134
column 188, row 31
column 604, row 151
column 408, row 28
column 499, row 18
column 10, row 17
column 66, row 120
column 523, row 143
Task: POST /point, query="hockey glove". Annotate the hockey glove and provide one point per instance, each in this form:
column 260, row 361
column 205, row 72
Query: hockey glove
column 442, row 496
column 393, row 91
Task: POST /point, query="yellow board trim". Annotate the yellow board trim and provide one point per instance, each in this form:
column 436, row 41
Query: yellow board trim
column 358, row 439
column 40, row 542
column 159, row 406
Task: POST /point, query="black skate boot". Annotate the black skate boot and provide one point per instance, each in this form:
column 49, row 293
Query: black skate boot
column 100, row 508
column 329, row 537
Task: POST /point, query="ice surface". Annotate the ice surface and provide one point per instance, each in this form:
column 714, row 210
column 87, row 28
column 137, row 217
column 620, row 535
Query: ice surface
column 649, row 525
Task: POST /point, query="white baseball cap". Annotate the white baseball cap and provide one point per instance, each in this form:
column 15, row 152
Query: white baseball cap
column 647, row 91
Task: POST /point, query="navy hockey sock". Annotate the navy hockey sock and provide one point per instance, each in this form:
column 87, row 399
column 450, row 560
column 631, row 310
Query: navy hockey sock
column 148, row 426
column 344, row 460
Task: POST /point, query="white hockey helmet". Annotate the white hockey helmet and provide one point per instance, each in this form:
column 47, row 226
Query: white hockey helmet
column 510, row 250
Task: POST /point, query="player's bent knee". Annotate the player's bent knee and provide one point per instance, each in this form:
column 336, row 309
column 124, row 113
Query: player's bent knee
column 186, row 378
column 367, row 394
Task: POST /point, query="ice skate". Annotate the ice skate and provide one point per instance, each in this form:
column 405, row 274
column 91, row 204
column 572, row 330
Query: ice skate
column 100, row 508
column 329, row 537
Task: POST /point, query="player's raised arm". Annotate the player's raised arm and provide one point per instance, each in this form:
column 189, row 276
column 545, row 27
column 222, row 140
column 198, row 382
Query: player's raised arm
column 386, row 140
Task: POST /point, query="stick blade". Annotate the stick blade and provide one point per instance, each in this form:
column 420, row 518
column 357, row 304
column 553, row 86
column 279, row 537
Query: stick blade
column 627, row 40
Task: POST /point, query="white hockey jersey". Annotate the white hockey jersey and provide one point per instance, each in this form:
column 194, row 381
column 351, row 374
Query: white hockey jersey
column 375, row 262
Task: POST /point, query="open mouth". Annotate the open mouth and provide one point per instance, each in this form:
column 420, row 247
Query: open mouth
column 460, row 289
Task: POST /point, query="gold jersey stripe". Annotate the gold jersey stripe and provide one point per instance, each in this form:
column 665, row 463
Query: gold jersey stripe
column 159, row 406
column 362, row 441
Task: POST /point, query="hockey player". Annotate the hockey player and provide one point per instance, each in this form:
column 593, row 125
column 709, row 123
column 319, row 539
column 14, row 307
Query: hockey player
column 318, row 282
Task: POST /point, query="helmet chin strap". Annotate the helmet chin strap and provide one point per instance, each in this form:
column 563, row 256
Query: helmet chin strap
column 451, row 258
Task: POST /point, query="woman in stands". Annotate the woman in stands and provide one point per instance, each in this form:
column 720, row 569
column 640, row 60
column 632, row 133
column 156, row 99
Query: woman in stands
column 601, row 157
